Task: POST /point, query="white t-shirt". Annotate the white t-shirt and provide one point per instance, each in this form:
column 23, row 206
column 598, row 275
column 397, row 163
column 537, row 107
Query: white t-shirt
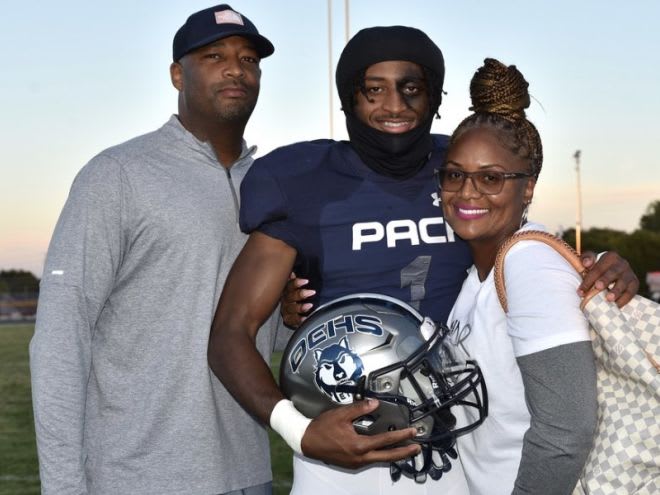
column 311, row 477
column 544, row 312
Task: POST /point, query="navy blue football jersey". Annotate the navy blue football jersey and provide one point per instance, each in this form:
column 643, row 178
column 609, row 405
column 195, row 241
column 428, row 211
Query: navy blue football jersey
column 355, row 230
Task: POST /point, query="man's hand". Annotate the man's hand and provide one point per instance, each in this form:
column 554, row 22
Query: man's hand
column 332, row 438
column 293, row 307
column 609, row 269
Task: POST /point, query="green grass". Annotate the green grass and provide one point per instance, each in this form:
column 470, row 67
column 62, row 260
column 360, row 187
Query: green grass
column 280, row 453
column 19, row 471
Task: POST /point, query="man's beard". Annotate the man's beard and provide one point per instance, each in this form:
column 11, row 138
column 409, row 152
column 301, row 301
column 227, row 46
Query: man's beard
column 238, row 112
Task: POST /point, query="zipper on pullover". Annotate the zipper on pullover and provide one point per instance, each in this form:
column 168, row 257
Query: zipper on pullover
column 237, row 205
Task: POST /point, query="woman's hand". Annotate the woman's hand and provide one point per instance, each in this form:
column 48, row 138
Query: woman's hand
column 293, row 306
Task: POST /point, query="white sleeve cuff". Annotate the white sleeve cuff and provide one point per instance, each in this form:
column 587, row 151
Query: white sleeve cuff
column 286, row 420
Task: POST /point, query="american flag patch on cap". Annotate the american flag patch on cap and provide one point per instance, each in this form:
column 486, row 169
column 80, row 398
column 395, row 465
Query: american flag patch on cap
column 228, row 17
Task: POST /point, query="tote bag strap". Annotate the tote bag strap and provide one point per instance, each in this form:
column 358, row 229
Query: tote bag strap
column 536, row 235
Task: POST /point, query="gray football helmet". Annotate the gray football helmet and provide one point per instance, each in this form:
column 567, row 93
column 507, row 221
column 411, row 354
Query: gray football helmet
column 370, row 345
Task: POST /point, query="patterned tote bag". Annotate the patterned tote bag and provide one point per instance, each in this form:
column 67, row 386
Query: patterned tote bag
column 625, row 458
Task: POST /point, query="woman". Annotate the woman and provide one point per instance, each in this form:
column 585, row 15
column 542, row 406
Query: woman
column 537, row 358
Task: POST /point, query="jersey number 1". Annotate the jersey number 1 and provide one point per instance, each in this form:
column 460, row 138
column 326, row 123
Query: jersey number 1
column 414, row 276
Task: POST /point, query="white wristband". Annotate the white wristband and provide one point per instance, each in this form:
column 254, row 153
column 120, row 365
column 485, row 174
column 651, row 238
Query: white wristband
column 289, row 423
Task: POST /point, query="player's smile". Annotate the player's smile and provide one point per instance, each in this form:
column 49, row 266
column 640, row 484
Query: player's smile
column 394, row 97
column 396, row 125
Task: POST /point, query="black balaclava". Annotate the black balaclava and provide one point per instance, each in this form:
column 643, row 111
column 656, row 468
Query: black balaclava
column 395, row 155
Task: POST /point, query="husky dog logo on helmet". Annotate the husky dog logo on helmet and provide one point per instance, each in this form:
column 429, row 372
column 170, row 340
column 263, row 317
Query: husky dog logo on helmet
column 335, row 365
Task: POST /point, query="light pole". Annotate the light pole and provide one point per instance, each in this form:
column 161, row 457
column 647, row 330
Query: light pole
column 347, row 32
column 330, row 85
column 347, row 20
column 578, row 220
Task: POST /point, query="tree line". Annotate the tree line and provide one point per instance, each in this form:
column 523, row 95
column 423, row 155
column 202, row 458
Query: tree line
column 18, row 282
column 641, row 248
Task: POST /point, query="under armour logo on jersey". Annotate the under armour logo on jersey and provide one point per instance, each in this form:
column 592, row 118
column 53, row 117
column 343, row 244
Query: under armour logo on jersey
column 436, row 199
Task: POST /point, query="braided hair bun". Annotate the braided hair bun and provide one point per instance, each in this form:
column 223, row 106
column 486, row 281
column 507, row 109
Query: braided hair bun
column 500, row 96
column 498, row 89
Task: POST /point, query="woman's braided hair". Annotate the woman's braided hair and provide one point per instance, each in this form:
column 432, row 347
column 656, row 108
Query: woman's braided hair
column 499, row 99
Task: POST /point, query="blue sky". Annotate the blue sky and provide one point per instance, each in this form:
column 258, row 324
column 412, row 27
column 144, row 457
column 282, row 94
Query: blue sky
column 79, row 76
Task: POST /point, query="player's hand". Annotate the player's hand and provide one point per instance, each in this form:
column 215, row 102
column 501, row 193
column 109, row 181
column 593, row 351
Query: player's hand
column 293, row 308
column 332, row 439
column 609, row 269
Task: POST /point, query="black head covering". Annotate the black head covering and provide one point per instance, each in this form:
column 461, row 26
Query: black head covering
column 395, row 155
column 379, row 44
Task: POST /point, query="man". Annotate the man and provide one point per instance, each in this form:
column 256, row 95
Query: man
column 351, row 217
column 124, row 401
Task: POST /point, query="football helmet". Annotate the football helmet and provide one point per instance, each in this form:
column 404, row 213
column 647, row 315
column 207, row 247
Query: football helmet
column 371, row 345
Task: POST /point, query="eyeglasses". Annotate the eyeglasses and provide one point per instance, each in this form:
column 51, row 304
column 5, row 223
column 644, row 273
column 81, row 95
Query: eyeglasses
column 484, row 181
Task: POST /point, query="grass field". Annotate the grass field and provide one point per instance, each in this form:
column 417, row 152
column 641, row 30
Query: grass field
column 19, row 472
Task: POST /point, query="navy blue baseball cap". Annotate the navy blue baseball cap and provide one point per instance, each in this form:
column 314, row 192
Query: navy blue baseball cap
column 215, row 23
